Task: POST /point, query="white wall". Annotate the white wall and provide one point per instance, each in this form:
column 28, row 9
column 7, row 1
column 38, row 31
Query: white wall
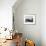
column 36, row 32
column 6, row 13
column 29, row 31
column 43, row 22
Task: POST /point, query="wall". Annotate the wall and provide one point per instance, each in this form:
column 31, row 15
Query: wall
column 6, row 13
column 29, row 31
column 43, row 22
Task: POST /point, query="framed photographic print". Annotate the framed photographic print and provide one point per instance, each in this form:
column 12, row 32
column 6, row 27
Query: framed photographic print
column 29, row 19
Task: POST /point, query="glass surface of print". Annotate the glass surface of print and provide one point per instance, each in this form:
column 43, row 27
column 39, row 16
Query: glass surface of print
column 29, row 19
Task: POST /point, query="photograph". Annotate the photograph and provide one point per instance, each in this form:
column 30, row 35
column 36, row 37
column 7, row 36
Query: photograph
column 29, row 19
